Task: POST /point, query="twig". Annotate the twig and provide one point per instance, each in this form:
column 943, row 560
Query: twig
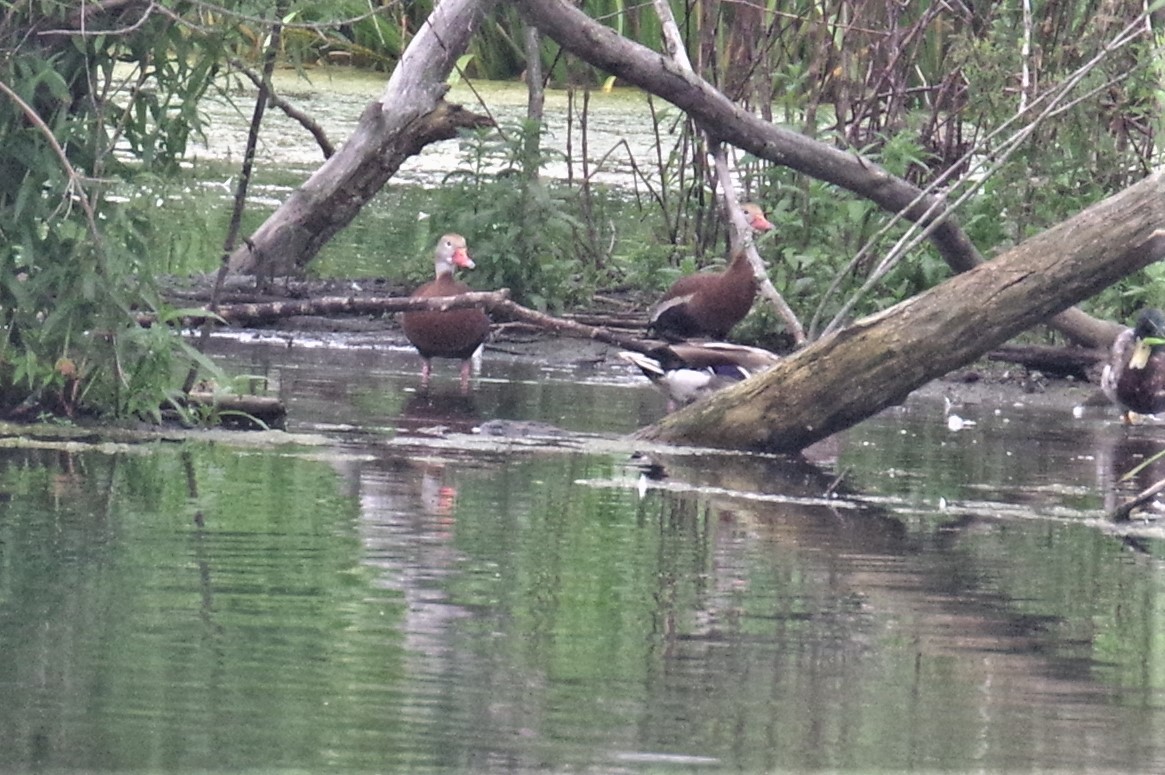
column 1121, row 513
column 923, row 226
column 244, row 179
column 74, row 177
column 741, row 233
column 292, row 112
column 742, row 240
column 570, row 328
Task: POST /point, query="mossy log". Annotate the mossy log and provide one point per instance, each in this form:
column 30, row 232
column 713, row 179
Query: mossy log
column 876, row 362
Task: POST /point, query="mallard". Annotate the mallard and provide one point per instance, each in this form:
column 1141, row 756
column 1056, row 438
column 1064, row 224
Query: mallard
column 452, row 333
column 709, row 304
column 689, row 371
column 1134, row 377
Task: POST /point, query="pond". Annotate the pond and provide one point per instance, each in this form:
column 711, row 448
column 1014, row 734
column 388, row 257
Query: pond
column 397, row 593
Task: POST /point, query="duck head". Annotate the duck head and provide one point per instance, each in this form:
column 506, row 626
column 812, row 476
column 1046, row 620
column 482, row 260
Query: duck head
column 756, row 217
column 1148, row 335
column 451, row 252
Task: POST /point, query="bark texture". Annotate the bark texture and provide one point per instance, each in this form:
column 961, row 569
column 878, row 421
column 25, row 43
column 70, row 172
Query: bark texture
column 408, row 116
column 875, row 363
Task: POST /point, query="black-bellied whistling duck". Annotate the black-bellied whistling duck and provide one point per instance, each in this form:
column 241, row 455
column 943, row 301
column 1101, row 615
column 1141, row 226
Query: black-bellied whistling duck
column 688, row 371
column 1134, row 377
column 709, row 304
column 452, row 333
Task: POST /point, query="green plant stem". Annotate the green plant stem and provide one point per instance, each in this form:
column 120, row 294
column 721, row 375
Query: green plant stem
column 240, row 201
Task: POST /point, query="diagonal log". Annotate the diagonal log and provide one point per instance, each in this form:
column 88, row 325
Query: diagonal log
column 410, row 114
column 875, row 363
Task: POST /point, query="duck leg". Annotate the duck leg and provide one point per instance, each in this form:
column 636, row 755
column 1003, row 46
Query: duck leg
column 466, row 367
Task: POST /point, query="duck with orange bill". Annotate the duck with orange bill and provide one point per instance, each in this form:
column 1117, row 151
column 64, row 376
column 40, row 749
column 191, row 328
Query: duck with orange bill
column 453, row 333
column 709, row 304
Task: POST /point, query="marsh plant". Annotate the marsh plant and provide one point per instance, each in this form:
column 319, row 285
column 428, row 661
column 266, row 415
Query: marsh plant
column 82, row 118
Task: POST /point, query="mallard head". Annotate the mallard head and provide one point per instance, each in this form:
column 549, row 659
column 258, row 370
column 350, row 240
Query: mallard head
column 1148, row 335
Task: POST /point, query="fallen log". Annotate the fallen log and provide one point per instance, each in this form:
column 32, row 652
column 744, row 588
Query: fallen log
column 875, row 363
column 1078, row 362
column 259, row 313
column 495, row 302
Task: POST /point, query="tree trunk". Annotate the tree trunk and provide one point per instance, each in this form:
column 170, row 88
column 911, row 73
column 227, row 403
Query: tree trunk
column 408, row 116
column 875, row 363
column 724, row 120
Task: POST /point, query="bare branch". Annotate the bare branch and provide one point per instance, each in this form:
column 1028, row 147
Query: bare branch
column 292, row 112
column 740, row 231
column 1121, row 513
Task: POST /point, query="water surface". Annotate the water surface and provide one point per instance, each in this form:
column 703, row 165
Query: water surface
column 404, row 599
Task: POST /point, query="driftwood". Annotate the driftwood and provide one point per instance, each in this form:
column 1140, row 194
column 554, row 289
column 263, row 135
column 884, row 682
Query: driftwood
column 495, row 302
column 875, row 363
column 260, row 313
column 509, row 309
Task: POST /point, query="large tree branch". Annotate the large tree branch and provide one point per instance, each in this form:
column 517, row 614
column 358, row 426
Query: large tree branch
column 848, row 376
column 723, row 119
column 410, row 114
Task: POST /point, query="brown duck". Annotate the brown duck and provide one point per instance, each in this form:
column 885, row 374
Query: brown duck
column 453, row 333
column 709, row 304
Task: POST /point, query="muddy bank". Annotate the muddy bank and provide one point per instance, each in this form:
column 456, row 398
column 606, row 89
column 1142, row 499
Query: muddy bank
column 1064, row 377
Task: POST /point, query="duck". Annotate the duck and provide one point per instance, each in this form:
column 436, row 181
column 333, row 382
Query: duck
column 689, row 371
column 709, row 304
column 1134, row 377
column 451, row 333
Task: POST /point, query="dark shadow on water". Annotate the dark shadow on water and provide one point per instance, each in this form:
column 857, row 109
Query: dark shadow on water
column 872, row 564
column 439, row 411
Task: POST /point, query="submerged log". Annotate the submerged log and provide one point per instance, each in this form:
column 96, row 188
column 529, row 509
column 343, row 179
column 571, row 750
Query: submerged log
column 875, row 363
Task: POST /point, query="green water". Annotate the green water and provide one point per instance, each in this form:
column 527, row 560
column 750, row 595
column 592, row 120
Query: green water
column 380, row 604
column 912, row 599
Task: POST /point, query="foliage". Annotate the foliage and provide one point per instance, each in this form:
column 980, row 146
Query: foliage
column 521, row 231
column 82, row 112
column 86, row 118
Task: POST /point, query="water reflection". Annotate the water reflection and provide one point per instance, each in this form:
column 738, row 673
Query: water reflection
column 1126, row 463
column 437, row 411
column 842, row 613
column 904, row 598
